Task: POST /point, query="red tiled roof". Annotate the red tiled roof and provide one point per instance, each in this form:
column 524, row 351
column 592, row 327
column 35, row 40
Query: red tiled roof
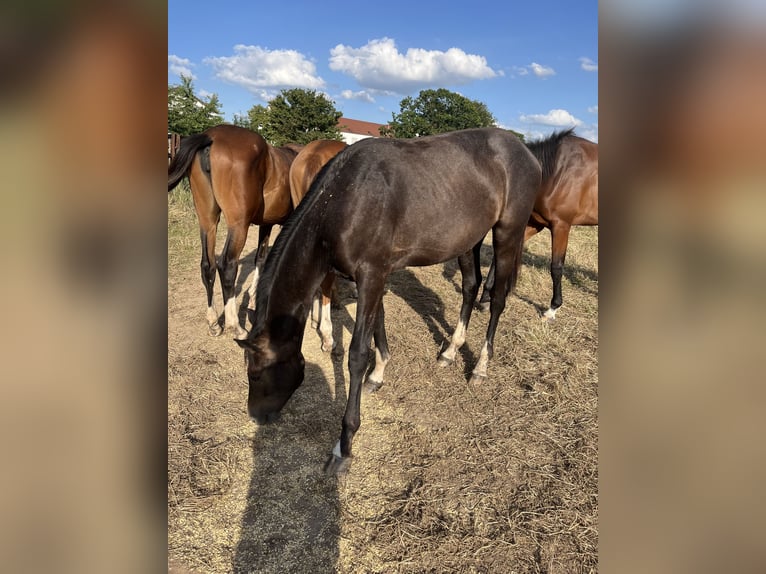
column 359, row 127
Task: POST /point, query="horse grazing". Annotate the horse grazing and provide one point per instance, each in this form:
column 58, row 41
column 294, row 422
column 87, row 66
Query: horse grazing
column 568, row 196
column 307, row 164
column 234, row 170
column 382, row 205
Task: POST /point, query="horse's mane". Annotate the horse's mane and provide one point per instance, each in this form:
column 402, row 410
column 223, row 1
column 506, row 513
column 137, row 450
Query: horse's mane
column 286, row 235
column 545, row 150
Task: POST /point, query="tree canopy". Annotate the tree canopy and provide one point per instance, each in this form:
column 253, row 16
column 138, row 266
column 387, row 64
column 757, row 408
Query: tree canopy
column 294, row 116
column 435, row 112
column 188, row 113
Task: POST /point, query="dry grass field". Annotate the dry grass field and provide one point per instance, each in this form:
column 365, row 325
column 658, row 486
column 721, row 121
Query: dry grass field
column 446, row 477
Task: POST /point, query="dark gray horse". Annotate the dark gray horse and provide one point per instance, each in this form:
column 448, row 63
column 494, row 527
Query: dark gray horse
column 378, row 206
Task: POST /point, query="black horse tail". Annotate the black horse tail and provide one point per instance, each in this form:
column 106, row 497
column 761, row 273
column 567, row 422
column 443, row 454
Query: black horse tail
column 181, row 164
column 547, row 149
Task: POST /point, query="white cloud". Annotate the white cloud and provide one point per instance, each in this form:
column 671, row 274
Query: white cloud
column 264, row 72
column 588, row 65
column 362, row 96
column 593, row 109
column 541, row 71
column 557, row 118
column 379, row 65
column 590, row 133
column 180, row 66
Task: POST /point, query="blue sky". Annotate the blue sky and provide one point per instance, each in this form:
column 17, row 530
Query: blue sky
column 534, row 64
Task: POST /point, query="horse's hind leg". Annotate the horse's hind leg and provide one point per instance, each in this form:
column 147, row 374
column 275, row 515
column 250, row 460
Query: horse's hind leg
column 382, row 354
column 471, row 271
column 507, row 244
column 208, row 214
column 483, row 304
column 227, row 268
column 559, row 241
column 264, row 233
column 207, row 266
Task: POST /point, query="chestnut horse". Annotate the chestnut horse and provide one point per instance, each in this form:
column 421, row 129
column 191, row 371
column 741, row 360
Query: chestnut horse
column 381, row 205
column 234, row 170
column 304, row 169
column 568, row 196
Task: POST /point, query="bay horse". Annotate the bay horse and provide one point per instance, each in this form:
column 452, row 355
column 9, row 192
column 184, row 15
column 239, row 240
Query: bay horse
column 379, row 206
column 234, row 170
column 307, row 164
column 568, row 196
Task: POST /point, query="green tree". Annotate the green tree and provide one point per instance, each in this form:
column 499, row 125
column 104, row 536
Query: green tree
column 294, row 116
column 435, row 112
column 255, row 119
column 188, row 113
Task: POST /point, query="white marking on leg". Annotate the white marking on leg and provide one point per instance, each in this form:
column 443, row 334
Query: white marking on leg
column 481, row 365
column 315, row 310
column 254, row 286
column 231, row 312
column 458, row 338
column 325, row 327
column 211, row 316
column 550, row 314
column 376, row 376
column 336, row 450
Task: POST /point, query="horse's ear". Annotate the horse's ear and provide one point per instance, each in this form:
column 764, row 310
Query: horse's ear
column 260, row 348
column 246, row 344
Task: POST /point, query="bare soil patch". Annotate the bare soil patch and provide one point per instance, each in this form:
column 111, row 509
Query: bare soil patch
column 446, row 477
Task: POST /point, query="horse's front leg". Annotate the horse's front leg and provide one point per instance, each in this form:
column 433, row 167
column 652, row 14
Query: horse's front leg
column 370, row 295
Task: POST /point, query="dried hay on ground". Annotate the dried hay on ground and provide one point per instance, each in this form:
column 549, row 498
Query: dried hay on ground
column 446, row 477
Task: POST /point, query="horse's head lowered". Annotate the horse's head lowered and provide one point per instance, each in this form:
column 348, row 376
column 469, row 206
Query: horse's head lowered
column 275, row 368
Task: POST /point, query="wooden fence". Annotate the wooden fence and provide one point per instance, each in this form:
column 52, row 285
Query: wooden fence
column 174, row 140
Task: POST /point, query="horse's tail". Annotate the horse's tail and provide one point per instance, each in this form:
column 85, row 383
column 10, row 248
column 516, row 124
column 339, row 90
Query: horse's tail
column 181, row 164
column 546, row 151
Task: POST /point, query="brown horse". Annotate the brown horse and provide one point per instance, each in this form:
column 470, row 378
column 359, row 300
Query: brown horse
column 378, row 206
column 568, row 196
column 307, row 164
column 234, row 170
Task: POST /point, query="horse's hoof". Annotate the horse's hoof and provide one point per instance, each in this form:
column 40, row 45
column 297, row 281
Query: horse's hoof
column 482, row 305
column 328, row 348
column 443, row 361
column 240, row 334
column 337, row 464
column 478, row 379
column 371, row 386
column 549, row 316
column 215, row 330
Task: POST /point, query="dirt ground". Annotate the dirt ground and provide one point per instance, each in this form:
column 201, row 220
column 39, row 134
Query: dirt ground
column 446, row 477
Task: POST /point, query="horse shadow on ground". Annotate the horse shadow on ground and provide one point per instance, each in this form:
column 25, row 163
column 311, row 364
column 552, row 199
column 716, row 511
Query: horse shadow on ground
column 292, row 519
column 430, row 307
column 582, row 278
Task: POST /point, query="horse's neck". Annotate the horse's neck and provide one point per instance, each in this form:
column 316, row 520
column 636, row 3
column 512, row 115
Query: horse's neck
column 303, row 264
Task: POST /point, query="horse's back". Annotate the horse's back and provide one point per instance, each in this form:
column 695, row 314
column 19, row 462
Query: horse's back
column 426, row 199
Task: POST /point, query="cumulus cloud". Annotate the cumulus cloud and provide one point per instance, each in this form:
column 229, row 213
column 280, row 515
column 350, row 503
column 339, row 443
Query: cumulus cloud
column 588, row 65
column 589, row 133
column 593, row 109
column 264, row 72
column 362, row 96
column 379, row 65
column 541, row 71
column 180, row 66
column 556, row 118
